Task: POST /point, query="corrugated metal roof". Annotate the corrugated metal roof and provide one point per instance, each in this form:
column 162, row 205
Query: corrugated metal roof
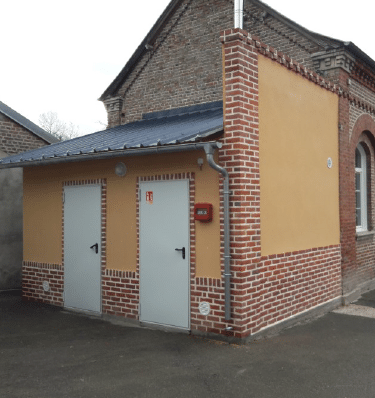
column 28, row 124
column 171, row 127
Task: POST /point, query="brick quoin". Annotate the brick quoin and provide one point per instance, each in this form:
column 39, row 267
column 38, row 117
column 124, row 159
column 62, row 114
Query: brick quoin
column 240, row 156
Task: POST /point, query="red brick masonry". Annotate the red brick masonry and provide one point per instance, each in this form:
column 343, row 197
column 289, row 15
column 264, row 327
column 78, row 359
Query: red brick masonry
column 33, row 276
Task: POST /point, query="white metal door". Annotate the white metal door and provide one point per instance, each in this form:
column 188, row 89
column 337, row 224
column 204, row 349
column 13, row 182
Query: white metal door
column 82, row 247
column 164, row 271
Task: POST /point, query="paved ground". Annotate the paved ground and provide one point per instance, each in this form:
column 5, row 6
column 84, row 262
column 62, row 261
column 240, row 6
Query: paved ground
column 45, row 352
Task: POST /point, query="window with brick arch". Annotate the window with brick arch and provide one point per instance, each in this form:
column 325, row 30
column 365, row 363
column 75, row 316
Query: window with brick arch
column 361, row 212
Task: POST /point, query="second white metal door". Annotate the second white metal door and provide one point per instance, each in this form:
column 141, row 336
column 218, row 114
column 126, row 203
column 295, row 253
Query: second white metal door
column 164, row 253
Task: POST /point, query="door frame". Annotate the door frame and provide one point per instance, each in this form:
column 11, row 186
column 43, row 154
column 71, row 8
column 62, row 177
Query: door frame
column 190, row 177
column 102, row 182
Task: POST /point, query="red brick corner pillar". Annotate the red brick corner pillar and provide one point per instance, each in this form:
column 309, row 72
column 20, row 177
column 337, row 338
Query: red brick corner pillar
column 240, row 156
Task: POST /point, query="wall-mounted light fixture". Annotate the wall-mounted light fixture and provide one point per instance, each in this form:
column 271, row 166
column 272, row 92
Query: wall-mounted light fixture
column 200, row 163
column 120, row 169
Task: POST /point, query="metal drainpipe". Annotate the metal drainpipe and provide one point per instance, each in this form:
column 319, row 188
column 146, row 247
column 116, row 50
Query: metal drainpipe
column 210, row 149
column 238, row 14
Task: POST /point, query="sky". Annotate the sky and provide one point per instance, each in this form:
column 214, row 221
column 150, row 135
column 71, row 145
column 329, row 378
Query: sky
column 60, row 56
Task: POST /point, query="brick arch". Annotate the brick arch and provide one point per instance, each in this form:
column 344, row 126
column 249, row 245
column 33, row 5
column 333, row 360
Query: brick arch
column 364, row 123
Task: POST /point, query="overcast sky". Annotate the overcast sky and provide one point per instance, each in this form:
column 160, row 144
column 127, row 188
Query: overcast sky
column 61, row 55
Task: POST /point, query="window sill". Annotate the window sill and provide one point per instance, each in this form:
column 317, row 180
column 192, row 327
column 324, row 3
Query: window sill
column 365, row 235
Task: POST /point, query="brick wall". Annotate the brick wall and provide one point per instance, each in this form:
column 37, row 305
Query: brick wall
column 184, row 67
column 358, row 250
column 365, row 244
column 15, row 139
column 35, row 274
column 277, row 34
column 120, row 293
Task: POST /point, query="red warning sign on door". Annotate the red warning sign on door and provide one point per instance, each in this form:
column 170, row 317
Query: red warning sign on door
column 149, row 197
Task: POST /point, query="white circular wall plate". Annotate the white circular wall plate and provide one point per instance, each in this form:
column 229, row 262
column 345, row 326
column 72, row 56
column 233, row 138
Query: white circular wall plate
column 46, row 286
column 329, row 163
column 204, row 308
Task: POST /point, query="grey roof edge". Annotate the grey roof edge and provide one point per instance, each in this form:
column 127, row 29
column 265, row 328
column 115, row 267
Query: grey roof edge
column 317, row 37
column 292, row 24
column 155, row 150
column 140, row 50
column 356, row 51
column 27, row 124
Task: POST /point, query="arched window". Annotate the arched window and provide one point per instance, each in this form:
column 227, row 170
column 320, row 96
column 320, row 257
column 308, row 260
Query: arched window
column 360, row 189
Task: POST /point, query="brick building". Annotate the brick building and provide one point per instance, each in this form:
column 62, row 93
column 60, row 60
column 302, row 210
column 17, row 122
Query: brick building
column 268, row 127
column 17, row 134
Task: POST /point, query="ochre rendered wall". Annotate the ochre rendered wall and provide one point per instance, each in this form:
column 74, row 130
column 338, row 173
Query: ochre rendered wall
column 298, row 124
column 43, row 208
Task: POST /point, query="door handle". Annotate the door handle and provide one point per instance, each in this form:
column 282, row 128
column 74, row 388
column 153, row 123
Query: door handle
column 96, row 247
column 183, row 252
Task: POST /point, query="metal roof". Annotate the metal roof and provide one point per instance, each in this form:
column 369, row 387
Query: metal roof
column 172, row 127
column 28, row 124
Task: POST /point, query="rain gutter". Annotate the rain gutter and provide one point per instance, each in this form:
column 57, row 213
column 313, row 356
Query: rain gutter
column 112, row 154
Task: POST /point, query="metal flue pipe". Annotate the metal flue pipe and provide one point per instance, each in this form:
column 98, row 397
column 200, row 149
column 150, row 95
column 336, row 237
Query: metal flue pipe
column 238, row 14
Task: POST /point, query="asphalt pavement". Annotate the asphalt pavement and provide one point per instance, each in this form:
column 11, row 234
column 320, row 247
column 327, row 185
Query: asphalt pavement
column 46, row 352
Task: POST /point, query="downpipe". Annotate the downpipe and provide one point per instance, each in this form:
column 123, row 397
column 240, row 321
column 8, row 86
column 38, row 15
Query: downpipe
column 210, row 150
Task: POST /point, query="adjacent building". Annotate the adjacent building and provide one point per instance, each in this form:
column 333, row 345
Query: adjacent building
column 17, row 134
